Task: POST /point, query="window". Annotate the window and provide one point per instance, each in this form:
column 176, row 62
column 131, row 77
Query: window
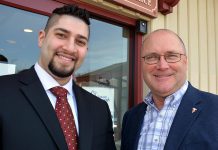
column 18, row 40
column 105, row 71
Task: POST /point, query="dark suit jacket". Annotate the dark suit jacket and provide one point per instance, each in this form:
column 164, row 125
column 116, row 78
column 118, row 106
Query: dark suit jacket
column 28, row 120
column 189, row 131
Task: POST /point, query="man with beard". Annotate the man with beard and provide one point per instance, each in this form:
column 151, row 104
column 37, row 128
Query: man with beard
column 32, row 116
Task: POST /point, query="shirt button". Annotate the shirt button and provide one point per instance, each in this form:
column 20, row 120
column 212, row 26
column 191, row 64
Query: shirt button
column 155, row 140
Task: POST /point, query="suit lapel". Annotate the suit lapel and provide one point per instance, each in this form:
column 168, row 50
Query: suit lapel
column 138, row 122
column 84, row 118
column 132, row 124
column 33, row 90
column 188, row 111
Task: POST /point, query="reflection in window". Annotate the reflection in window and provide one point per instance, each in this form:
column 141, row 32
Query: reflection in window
column 105, row 70
column 18, row 40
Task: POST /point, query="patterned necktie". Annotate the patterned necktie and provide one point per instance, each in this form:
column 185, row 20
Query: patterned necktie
column 65, row 117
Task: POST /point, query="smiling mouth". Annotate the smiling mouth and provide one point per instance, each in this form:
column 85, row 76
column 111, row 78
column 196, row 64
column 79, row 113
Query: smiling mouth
column 66, row 57
column 162, row 76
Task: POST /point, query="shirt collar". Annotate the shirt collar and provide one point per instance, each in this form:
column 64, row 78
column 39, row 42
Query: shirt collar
column 173, row 99
column 48, row 81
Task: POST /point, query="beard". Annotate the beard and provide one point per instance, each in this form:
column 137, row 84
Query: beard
column 62, row 73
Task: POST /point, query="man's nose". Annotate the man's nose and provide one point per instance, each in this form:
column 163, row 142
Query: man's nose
column 162, row 63
column 70, row 45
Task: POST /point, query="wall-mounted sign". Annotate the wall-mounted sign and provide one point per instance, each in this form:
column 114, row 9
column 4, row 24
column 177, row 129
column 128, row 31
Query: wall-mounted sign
column 106, row 94
column 147, row 7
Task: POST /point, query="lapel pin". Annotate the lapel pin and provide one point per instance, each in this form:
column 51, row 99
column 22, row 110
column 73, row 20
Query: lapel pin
column 194, row 110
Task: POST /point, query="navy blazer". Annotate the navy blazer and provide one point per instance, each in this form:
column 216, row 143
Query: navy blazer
column 189, row 131
column 28, row 120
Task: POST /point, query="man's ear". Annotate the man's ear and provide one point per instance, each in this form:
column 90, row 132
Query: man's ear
column 41, row 37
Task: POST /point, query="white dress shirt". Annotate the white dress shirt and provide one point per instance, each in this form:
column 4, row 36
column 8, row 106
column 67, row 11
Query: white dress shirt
column 49, row 82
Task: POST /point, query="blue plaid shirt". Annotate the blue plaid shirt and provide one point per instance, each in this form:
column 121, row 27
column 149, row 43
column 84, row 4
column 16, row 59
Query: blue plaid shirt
column 157, row 123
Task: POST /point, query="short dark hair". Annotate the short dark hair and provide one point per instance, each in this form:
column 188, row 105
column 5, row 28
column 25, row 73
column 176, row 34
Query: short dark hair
column 3, row 58
column 72, row 10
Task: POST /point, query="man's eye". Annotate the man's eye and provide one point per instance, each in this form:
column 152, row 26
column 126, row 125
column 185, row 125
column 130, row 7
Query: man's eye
column 151, row 57
column 81, row 42
column 172, row 56
column 60, row 35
